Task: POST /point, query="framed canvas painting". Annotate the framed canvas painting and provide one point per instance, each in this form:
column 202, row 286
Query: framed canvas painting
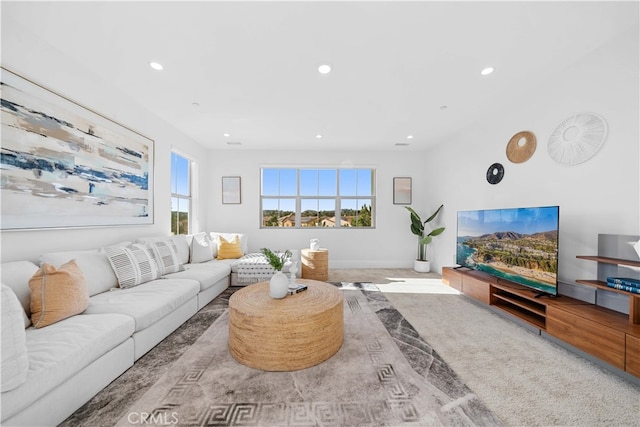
column 63, row 165
column 231, row 190
column 401, row 191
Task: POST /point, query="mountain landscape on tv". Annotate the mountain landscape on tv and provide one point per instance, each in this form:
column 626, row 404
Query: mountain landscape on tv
column 528, row 259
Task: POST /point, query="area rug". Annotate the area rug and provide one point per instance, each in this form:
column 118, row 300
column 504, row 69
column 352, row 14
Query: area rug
column 383, row 375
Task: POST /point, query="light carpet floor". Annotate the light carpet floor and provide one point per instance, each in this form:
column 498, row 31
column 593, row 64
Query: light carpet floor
column 524, row 378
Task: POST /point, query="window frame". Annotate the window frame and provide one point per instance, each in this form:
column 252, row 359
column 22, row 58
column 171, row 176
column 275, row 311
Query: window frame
column 298, row 198
column 180, row 196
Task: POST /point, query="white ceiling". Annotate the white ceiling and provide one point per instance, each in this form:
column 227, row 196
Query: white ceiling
column 252, row 66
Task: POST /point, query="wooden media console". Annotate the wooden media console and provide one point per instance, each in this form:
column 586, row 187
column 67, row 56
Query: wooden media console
column 608, row 335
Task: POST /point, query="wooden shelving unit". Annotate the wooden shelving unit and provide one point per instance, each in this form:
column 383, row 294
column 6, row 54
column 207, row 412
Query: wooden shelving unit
column 634, row 299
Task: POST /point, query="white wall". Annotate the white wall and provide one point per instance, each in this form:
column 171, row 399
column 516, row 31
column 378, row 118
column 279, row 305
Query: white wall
column 601, row 195
column 29, row 56
column 390, row 244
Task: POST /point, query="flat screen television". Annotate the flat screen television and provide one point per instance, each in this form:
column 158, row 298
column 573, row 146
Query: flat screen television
column 516, row 244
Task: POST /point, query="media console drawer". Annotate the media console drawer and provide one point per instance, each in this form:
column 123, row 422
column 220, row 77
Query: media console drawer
column 476, row 289
column 632, row 365
column 452, row 278
column 592, row 337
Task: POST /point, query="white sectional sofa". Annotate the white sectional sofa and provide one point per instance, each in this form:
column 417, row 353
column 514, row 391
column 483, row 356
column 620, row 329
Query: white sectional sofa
column 71, row 360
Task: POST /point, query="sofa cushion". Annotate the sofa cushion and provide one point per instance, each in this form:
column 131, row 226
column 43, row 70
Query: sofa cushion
column 15, row 361
column 59, row 351
column 166, row 256
column 57, row 293
column 146, row 303
column 132, row 264
column 201, row 248
column 207, row 274
column 229, row 249
column 93, row 263
column 16, row 275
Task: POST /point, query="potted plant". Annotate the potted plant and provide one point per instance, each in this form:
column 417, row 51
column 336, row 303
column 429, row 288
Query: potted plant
column 279, row 284
column 421, row 264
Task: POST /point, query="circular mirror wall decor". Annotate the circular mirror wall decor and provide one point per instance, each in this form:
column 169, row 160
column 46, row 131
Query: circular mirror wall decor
column 577, row 139
column 521, row 146
column 495, row 173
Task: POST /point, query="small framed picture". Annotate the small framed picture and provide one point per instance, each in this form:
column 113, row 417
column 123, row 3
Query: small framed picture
column 231, row 194
column 401, row 191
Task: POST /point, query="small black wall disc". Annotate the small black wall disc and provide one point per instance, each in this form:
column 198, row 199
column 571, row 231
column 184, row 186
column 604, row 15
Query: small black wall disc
column 495, row 173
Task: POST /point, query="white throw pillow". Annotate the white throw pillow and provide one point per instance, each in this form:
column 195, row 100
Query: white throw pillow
column 15, row 360
column 94, row 265
column 16, row 275
column 183, row 247
column 201, row 249
column 133, row 264
column 166, row 256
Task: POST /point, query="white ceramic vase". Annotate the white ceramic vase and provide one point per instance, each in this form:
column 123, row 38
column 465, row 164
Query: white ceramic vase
column 422, row 266
column 278, row 285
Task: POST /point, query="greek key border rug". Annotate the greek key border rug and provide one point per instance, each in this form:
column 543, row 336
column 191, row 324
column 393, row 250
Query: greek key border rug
column 384, row 375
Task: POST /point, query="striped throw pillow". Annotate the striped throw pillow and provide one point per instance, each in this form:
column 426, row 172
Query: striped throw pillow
column 229, row 250
column 133, row 264
column 165, row 253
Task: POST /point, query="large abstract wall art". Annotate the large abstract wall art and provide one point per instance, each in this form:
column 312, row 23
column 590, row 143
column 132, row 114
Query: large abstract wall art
column 62, row 165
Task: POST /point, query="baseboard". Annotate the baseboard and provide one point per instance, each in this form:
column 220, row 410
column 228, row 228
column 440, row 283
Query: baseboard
column 370, row 264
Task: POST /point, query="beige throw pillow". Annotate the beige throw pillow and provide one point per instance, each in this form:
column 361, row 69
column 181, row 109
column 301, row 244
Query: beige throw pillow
column 57, row 293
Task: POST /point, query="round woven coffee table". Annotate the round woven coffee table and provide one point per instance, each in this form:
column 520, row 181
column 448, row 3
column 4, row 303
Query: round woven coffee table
column 295, row 332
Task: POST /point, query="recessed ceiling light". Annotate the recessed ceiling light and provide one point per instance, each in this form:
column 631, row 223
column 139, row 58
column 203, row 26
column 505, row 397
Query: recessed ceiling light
column 156, row 66
column 226, row 135
column 324, row 69
column 319, row 136
column 487, row 71
column 409, row 136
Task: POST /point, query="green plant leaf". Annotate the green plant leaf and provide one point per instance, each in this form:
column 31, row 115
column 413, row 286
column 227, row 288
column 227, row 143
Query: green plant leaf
column 436, row 232
column 425, row 240
column 434, row 214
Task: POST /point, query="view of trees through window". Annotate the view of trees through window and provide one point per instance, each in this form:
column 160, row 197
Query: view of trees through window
column 180, row 194
column 311, row 197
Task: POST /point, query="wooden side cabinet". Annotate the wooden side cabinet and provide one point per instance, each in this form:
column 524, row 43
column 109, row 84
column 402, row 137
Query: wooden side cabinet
column 632, row 362
column 591, row 336
column 605, row 334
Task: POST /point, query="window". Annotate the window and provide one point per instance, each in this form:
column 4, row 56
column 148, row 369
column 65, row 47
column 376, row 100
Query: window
column 180, row 194
column 317, row 197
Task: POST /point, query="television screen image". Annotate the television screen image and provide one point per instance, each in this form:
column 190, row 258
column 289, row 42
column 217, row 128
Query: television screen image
column 516, row 244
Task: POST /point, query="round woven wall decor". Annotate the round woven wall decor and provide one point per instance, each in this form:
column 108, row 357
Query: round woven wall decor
column 521, row 146
column 577, row 139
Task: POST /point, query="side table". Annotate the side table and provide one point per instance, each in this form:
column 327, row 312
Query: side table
column 315, row 264
column 288, row 334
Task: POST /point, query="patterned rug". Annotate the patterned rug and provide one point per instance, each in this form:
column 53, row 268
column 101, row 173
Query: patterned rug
column 384, row 375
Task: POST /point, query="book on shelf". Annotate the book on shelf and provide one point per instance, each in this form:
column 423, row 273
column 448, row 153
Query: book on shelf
column 633, row 289
column 626, row 281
